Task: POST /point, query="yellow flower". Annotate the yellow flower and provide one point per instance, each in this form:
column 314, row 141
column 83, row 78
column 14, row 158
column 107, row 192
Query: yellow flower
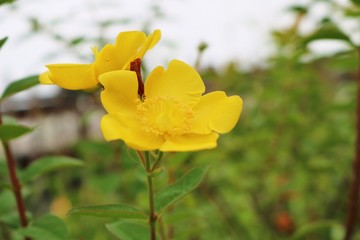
column 128, row 46
column 174, row 115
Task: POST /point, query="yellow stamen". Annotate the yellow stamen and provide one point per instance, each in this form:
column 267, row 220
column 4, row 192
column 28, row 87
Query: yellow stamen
column 161, row 115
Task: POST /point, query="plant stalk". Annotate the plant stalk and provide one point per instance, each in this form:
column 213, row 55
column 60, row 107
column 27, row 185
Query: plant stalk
column 152, row 214
column 353, row 204
column 16, row 186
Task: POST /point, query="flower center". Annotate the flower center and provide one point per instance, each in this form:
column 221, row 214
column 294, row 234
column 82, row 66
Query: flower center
column 162, row 115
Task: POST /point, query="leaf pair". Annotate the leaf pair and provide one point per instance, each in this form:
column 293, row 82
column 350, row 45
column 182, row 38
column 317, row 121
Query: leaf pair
column 13, row 130
column 134, row 225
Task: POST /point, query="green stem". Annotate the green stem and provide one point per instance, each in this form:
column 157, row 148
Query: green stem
column 157, row 161
column 201, row 48
column 16, row 186
column 353, row 205
column 152, row 214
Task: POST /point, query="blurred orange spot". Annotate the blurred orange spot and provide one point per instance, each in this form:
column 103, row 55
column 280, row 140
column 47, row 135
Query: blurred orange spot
column 60, row 206
column 284, row 223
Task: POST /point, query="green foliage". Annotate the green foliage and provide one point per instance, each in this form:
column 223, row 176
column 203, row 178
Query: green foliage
column 332, row 230
column 328, row 31
column 20, row 85
column 7, row 204
column 96, row 150
column 47, row 227
column 283, row 173
column 77, row 40
column 3, row 40
column 356, row 2
column 48, row 164
column 352, row 12
column 6, row 1
column 299, row 9
column 11, row 131
column 129, row 229
column 109, row 211
column 180, row 188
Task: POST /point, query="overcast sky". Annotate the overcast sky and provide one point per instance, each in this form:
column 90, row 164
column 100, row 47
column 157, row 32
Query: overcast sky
column 235, row 30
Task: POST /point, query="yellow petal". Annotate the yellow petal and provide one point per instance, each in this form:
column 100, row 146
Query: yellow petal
column 179, row 81
column 216, row 112
column 189, row 142
column 150, row 42
column 44, row 78
column 118, row 57
column 120, row 91
column 128, row 128
column 105, row 59
column 73, row 76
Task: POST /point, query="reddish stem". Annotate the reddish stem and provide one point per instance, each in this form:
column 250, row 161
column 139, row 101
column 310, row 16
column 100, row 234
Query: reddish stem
column 141, row 157
column 353, row 204
column 16, row 186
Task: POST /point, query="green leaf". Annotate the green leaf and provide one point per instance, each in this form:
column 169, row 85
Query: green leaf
column 3, row 40
column 48, row 227
column 351, row 12
column 48, row 164
column 129, row 229
column 312, row 228
column 180, row 188
column 7, row 202
column 356, row 2
column 110, row 211
column 328, row 31
column 11, row 131
column 298, row 9
column 6, row 1
column 77, row 40
column 20, row 85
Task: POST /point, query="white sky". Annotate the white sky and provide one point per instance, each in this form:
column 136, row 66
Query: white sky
column 235, row 30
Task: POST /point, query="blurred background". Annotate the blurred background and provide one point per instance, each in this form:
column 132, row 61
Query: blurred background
column 282, row 173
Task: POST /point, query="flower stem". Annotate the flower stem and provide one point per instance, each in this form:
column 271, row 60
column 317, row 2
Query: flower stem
column 142, row 158
column 152, row 214
column 353, row 204
column 16, row 186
